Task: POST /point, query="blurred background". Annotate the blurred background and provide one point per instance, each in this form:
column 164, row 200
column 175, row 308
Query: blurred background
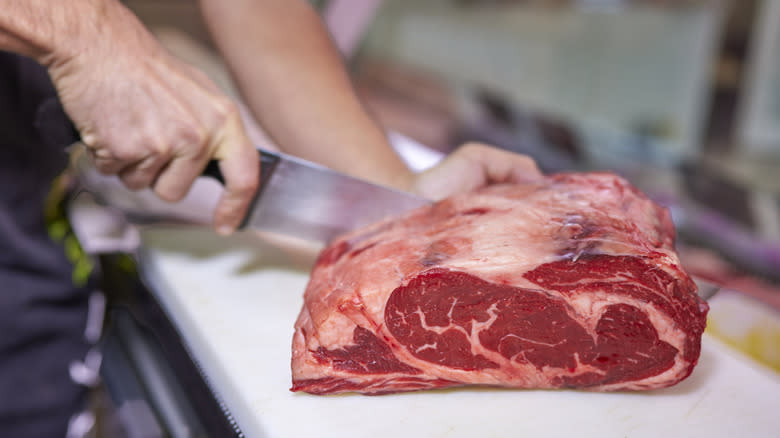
column 681, row 97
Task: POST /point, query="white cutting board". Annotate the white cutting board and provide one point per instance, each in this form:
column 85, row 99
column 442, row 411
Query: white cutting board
column 235, row 301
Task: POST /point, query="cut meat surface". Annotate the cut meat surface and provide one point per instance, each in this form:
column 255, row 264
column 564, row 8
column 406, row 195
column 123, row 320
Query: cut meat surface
column 568, row 282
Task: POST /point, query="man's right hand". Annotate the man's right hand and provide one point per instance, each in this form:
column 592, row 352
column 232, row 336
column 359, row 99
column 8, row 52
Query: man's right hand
column 149, row 118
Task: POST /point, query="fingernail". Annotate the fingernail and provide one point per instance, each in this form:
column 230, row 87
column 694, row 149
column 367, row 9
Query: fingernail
column 225, row 230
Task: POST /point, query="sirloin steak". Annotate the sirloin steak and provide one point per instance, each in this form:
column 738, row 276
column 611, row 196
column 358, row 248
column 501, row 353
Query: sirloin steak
column 568, row 282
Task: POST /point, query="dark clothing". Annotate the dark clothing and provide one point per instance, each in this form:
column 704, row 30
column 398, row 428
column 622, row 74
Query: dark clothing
column 42, row 313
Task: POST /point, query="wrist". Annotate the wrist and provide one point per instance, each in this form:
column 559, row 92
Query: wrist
column 103, row 35
column 76, row 30
column 85, row 31
column 47, row 31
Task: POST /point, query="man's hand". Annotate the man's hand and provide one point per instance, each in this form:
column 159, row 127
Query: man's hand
column 472, row 166
column 151, row 119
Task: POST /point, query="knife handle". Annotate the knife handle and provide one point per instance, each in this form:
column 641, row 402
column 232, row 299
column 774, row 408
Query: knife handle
column 212, row 170
column 268, row 162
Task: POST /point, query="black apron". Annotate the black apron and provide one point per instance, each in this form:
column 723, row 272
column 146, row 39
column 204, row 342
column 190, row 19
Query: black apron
column 42, row 312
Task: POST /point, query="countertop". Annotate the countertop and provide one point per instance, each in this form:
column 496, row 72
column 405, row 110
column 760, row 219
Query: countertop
column 235, row 301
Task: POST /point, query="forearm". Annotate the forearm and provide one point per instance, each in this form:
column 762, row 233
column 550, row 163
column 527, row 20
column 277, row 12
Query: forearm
column 48, row 30
column 296, row 85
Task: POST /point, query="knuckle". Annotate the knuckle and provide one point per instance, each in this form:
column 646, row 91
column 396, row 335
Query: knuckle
column 244, row 185
column 100, row 153
column 226, row 110
column 190, row 135
column 126, row 152
column 147, row 167
column 141, row 147
column 159, row 149
column 527, row 162
column 474, row 148
column 89, row 139
column 231, row 110
column 150, row 145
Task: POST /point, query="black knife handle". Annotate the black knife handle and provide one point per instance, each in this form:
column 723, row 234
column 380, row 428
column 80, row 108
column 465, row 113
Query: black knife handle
column 212, row 170
column 268, row 162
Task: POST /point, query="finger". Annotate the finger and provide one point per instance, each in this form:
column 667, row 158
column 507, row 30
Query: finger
column 240, row 166
column 472, row 166
column 142, row 174
column 174, row 180
column 114, row 156
column 452, row 175
column 105, row 162
column 501, row 166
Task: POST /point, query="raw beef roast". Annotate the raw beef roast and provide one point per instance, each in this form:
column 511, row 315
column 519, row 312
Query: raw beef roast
column 569, row 282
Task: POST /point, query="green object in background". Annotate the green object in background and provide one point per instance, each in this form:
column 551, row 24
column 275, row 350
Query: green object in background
column 60, row 230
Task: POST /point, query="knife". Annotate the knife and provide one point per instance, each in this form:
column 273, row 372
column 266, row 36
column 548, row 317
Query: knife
column 706, row 289
column 303, row 199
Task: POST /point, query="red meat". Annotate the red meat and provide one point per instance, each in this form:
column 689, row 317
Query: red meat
column 569, row 282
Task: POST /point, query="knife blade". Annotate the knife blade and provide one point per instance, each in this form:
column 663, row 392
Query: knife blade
column 299, row 198
column 312, row 202
column 706, row 288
